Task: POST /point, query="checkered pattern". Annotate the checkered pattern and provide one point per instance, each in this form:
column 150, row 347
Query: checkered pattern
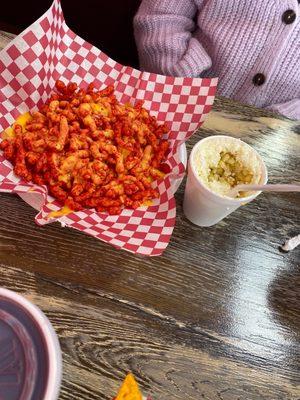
column 48, row 50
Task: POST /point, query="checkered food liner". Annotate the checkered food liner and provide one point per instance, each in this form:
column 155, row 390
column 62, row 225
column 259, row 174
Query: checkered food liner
column 48, row 50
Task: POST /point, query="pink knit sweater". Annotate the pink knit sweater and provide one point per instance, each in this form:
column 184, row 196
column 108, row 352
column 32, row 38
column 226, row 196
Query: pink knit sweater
column 253, row 46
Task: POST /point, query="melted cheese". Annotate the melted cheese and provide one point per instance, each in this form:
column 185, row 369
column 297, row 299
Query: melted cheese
column 100, row 109
column 69, row 163
column 60, row 213
column 147, row 203
column 21, row 120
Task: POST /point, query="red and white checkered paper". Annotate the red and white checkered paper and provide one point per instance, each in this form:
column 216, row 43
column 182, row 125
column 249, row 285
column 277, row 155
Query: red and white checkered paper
column 48, row 50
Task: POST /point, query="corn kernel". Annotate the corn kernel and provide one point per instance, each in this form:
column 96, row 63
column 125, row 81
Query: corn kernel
column 229, row 171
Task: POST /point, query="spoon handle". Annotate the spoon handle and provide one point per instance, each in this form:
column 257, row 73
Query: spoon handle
column 265, row 188
column 269, row 188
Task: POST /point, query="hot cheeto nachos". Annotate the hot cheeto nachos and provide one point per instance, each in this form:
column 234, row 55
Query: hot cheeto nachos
column 90, row 150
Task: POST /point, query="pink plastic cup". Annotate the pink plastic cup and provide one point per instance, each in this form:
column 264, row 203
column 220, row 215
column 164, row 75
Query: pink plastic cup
column 30, row 355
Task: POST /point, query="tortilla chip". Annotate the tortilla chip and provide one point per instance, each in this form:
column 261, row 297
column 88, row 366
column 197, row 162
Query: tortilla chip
column 129, row 389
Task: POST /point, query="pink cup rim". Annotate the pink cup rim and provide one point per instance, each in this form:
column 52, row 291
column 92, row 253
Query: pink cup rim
column 224, row 199
column 51, row 339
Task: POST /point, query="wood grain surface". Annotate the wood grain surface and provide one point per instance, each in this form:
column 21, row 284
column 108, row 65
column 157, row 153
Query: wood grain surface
column 216, row 317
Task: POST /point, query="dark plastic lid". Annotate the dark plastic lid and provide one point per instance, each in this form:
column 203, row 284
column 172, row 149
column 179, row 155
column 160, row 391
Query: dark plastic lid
column 24, row 361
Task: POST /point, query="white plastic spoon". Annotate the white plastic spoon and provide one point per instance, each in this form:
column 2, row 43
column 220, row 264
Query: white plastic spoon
column 264, row 188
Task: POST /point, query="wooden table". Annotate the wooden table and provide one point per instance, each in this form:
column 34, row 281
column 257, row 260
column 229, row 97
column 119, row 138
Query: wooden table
column 216, row 317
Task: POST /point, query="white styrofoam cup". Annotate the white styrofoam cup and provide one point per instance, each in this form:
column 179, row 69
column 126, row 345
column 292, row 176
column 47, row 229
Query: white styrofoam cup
column 201, row 205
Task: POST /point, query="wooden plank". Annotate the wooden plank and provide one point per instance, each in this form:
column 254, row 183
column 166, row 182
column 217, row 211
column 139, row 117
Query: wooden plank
column 102, row 339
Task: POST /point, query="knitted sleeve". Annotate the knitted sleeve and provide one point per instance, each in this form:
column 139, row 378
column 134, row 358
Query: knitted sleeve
column 290, row 109
column 163, row 34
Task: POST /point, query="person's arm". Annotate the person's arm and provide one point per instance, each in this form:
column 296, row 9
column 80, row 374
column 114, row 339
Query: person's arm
column 163, row 34
column 290, row 109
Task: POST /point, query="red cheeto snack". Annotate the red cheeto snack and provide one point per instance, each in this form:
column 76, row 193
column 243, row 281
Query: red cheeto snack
column 90, row 150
